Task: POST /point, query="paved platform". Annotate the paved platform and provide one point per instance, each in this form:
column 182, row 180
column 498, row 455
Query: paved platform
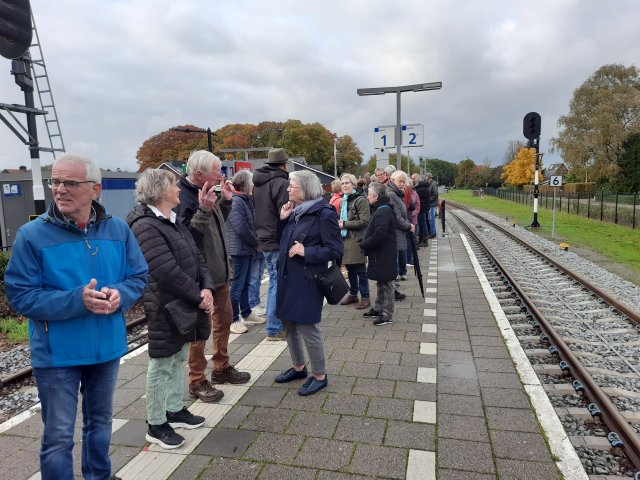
column 434, row 395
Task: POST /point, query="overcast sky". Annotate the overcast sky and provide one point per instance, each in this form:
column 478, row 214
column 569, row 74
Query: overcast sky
column 124, row 70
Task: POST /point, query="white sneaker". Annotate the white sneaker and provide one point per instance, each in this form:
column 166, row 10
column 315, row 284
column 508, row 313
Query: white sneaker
column 238, row 327
column 259, row 310
column 253, row 319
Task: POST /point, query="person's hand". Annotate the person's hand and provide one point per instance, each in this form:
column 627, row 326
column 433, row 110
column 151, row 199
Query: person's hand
column 207, row 197
column 341, row 224
column 207, row 301
column 286, row 210
column 96, row 301
column 296, row 249
column 113, row 296
column 226, row 189
column 412, row 228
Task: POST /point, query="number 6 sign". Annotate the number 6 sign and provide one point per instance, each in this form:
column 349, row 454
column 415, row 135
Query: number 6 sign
column 555, row 181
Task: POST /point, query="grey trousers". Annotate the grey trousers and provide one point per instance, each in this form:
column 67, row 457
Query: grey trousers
column 301, row 334
column 385, row 299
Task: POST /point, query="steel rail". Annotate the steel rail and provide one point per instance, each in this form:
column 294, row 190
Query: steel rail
column 26, row 372
column 633, row 315
column 609, row 412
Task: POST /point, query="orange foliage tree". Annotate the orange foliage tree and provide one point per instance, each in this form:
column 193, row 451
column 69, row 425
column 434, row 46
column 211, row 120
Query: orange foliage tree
column 520, row 171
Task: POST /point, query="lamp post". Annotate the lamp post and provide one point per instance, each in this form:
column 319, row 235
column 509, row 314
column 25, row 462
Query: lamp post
column 335, row 157
column 197, row 130
column 420, row 87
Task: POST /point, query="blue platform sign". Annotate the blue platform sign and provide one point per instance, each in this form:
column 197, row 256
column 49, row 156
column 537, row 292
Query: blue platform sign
column 12, row 189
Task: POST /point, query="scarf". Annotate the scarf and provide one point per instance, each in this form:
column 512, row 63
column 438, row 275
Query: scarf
column 343, row 214
column 304, row 207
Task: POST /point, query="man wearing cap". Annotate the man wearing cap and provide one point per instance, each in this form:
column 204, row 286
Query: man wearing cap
column 270, row 194
column 433, row 203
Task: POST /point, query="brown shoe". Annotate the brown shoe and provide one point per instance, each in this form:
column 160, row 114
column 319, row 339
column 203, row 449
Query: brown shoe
column 349, row 299
column 281, row 335
column 205, row 392
column 364, row 303
column 230, row 375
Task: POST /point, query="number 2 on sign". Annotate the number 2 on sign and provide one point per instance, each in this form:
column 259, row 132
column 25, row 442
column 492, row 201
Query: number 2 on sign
column 412, row 138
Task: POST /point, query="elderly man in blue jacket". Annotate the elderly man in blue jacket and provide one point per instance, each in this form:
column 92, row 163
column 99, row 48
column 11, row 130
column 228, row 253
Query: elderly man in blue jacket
column 73, row 272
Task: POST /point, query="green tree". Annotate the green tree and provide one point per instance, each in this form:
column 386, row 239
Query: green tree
column 464, row 169
column 349, row 156
column 603, row 113
column 629, row 163
column 443, row 172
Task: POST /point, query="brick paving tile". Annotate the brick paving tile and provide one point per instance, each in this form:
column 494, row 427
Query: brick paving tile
column 519, row 445
column 415, row 326
column 123, row 397
column 490, row 352
column 371, row 343
column 314, row 424
column 446, row 324
column 312, row 403
column 268, row 419
column 418, row 360
column 446, row 474
column 465, row 455
column 348, row 355
column 458, row 386
column 462, row 427
column 226, row 468
column 496, row 365
column 262, row 396
column 363, row 430
column 398, row 372
column 499, row 380
column 380, row 461
column 519, row 470
column 360, row 369
column 346, row 404
column 225, row 442
column 419, row 337
column 505, row 397
column 416, row 391
column 391, row 408
column 373, row 387
column 274, row 447
column 135, row 411
column 453, row 334
column 511, row 419
column 323, row 453
column 325, row 475
column 281, row 472
column 455, row 345
column 420, row 436
column 491, row 331
column 455, row 357
column 358, row 332
column 390, row 334
column 390, row 358
column 487, row 341
column 235, row 416
column 458, row 370
column 189, row 469
column 339, row 384
column 405, row 345
column 131, row 433
column 460, row 405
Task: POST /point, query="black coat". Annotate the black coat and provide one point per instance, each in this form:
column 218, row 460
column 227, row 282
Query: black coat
column 176, row 270
column 241, row 227
column 298, row 298
column 269, row 195
column 422, row 189
column 379, row 243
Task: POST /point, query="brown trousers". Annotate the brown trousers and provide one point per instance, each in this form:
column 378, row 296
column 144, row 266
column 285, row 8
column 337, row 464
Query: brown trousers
column 220, row 328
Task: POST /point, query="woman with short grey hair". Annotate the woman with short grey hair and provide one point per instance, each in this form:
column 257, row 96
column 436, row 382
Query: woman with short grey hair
column 152, row 185
column 310, row 239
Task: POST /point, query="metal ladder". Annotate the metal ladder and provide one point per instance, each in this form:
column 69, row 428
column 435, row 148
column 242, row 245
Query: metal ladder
column 43, row 87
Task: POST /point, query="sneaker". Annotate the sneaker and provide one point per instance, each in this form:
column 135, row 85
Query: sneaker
column 259, row 311
column 403, row 277
column 409, row 264
column 164, row 436
column 364, row 303
column 312, row 385
column 348, row 299
column 238, row 327
column 291, row 374
column 230, row 375
column 205, row 392
column 382, row 320
column 253, row 319
column 277, row 336
column 184, row 419
column 399, row 296
column 371, row 313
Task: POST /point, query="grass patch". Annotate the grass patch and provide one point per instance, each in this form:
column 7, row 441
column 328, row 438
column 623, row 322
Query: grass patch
column 13, row 330
column 616, row 243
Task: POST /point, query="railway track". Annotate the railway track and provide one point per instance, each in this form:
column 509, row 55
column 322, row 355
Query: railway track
column 584, row 343
column 18, row 387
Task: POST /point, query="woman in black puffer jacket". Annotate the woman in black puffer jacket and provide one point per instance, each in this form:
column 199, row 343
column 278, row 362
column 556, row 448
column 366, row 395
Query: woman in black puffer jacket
column 176, row 271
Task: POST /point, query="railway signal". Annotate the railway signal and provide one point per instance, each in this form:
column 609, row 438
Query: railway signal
column 15, row 28
column 531, row 129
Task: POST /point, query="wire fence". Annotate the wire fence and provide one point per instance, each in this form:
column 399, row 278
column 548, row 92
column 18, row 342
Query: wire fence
column 618, row 208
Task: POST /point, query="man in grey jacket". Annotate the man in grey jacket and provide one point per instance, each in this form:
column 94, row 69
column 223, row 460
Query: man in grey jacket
column 433, row 203
column 395, row 191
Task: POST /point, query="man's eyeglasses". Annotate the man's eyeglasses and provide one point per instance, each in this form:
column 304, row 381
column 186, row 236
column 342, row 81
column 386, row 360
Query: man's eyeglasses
column 68, row 184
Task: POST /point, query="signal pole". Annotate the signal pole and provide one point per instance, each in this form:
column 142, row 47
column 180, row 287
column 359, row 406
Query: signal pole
column 531, row 129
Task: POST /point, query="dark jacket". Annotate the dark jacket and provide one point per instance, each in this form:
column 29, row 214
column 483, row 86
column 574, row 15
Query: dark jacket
column 269, row 195
column 379, row 243
column 241, row 228
column 433, row 193
column 207, row 229
column 299, row 298
column 422, row 189
column 358, row 214
column 176, row 270
column 403, row 224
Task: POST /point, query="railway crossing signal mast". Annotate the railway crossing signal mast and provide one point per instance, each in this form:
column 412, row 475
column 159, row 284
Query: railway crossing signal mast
column 531, row 129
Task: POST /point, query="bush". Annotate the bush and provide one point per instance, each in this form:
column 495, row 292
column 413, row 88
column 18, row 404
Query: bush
column 14, row 330
column 5, row 308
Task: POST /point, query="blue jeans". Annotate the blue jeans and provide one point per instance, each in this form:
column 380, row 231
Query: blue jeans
column 423, row 228
column 240, row 285
column 402, row 262
column 274, row 325
column 58, row 392
column 432, row 221
column 258, row 265
column 358, row 279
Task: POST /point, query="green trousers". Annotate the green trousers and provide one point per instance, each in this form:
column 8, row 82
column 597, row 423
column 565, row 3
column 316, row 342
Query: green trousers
column 165, row 386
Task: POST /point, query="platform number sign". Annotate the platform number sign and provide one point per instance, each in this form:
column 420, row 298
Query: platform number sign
column 555, row 181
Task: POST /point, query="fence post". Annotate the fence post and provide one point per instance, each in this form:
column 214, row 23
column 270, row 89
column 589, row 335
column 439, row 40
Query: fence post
column 589, row 205
column 601, row 204
column 616, row 214
column 560, row 208
column 633, row 222
column 568, row 201
column 578, row 206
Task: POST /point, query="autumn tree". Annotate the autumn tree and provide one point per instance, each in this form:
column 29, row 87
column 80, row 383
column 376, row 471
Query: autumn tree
column 349, row 156
column 521, row 170
column 603, row 113
column 160, row 147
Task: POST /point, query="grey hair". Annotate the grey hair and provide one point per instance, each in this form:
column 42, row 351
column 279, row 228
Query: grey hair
column 310, row 186
column 350, row 178
column 201, row 161
column 409, row 183
column 152, row 185
column 379, row 190
column 398, row 174
column 93, row 172
column 243, row 181
column 389, row 169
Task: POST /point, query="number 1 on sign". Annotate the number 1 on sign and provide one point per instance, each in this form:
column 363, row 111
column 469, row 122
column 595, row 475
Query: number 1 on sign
column 384, row 140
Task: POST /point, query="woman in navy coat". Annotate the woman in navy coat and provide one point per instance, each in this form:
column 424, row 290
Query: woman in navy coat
column 310, row 239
